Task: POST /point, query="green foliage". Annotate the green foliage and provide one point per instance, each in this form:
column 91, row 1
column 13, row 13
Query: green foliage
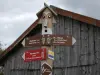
column 1, row 73
column 1, row 50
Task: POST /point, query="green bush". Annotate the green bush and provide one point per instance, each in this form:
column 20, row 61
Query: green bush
column 1, row 73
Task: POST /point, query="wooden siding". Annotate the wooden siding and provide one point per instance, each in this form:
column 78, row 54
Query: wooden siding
column 83, row 58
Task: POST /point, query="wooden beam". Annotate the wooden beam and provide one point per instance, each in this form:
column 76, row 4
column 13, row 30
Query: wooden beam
column 47, row 20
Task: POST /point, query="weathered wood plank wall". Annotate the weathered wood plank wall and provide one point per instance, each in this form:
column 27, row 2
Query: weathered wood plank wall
column 83, row 58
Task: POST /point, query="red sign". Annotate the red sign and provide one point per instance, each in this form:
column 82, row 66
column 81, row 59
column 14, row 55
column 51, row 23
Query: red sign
column 33, row 55
column 40, row 40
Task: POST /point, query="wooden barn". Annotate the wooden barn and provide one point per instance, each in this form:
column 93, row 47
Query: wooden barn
column 82, row 58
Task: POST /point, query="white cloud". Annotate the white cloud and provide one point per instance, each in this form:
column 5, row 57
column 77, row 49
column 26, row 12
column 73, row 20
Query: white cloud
column 7, row 26
column 17, row 18
column 11, row 27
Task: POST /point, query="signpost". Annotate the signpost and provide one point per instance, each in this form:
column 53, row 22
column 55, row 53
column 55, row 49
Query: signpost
column 47, row 40
column 34, row 55
column 43, row 40
column 47, row 21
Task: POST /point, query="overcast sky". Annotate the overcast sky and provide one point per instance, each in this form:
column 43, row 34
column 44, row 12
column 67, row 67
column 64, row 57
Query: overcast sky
column 17, row 15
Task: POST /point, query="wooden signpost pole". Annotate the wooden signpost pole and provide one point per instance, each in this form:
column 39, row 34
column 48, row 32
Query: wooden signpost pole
column 47, row 20
column 47, row 40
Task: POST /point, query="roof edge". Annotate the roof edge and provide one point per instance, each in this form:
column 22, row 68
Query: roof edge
column 20, row 38
column 76, row 16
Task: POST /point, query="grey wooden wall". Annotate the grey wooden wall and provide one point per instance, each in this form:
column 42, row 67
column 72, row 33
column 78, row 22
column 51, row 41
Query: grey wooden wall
column 83, row 58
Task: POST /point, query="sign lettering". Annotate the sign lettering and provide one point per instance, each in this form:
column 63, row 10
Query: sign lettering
column 45, row 40
column 32, row 55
